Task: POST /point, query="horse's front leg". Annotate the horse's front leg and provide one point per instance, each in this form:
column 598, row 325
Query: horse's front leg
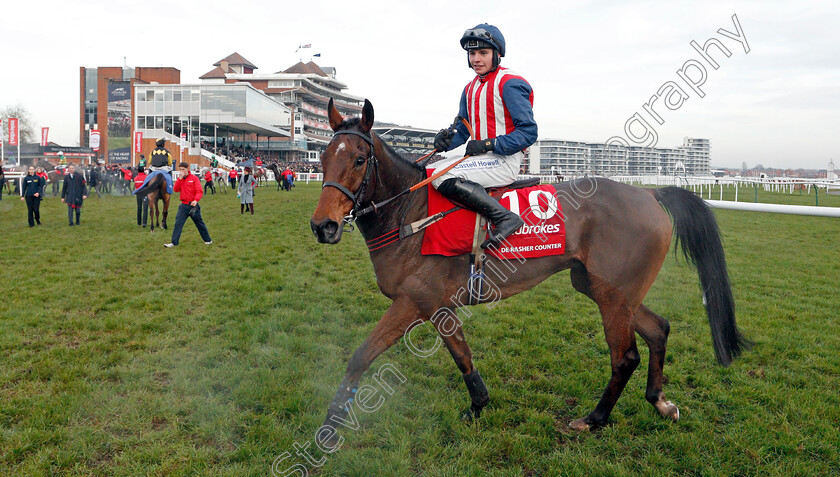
column 453, row 337
column 388, row 331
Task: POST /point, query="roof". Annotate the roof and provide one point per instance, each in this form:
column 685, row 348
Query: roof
column 306, row 68
column 216, row 72
column 236, row 59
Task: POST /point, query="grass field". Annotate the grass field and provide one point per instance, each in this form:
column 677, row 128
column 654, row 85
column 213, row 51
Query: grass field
column 120, row 357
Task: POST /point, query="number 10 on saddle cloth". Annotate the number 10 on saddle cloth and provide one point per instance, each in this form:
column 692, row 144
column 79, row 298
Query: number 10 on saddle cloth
column 543, row 234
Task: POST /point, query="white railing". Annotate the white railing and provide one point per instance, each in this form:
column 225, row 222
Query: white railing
column 223, row 161
column 309, row 176
column 709, row 187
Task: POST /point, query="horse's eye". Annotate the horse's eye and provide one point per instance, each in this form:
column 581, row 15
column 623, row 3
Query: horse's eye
column 360, row 161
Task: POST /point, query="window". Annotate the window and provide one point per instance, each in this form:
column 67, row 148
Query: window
column 141, row 122
column 158, row 122
column 150, row 95
column 167, row 95
column 176, row 96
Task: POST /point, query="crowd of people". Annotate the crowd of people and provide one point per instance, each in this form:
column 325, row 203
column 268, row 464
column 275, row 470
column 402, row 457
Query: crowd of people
column 76, row 183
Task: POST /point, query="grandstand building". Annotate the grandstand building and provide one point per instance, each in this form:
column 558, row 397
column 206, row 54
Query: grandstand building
column 556, row 156
column 305, row 88
column 410, row 142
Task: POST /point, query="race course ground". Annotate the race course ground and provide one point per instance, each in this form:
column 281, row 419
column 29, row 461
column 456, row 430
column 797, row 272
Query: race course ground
column 121, row 357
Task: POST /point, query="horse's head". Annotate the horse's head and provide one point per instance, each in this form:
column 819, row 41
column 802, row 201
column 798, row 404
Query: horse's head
column 348, row 163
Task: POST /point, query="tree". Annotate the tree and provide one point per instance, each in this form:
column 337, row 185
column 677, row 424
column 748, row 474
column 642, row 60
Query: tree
column 26, row 125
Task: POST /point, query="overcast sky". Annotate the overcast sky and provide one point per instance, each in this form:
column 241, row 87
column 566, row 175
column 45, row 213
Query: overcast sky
column 593, row 65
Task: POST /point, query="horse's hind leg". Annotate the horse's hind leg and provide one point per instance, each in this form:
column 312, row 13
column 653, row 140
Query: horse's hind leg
column 462, row 354
column 654, row 330
column 624, row 356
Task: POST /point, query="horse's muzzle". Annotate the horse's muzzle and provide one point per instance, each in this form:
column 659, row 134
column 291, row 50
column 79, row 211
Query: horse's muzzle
column 326, row 230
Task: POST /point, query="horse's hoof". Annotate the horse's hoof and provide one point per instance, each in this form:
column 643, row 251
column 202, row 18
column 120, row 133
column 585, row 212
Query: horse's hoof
column 472, row 413
column 579, row 425
column 668, row 409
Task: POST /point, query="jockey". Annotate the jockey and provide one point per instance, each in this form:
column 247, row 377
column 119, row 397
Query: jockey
column 62, row 161
column 161, row 161
column 498, row 105
column 142, row 162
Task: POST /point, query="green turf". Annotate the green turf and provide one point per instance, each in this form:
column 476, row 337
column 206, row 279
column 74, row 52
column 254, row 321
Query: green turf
column 120, row 357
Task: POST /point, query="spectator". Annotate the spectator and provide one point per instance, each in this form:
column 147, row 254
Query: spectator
column 189, row 187
column 94, row 179
column 142, row 203
column 33, row 185
column 232, row 175
column 2, row 181
column 39, row 171
column 73, row 193
column 246, row 192
column 208, row 182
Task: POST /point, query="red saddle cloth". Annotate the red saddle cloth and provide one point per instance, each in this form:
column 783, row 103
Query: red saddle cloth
column 543, row 234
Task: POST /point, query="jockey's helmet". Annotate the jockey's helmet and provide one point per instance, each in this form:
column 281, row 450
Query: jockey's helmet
column 485, row 36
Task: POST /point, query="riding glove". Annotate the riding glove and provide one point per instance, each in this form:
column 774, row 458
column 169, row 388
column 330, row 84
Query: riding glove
column 443, row 139
column 476, row 147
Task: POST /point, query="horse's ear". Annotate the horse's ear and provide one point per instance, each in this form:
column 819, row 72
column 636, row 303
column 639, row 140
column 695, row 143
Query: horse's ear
column 335, row 116
column 367, row 117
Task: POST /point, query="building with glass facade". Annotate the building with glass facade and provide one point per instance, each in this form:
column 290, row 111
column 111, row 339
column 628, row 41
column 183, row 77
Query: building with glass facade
column 116, row 103
column 210, row 113
column 306, row 88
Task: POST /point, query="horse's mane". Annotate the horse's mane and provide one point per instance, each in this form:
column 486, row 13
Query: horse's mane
column 350, row 123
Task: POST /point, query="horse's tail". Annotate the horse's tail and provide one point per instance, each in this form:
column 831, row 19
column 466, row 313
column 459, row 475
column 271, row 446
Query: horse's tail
column 697, row 231
column 153, row 184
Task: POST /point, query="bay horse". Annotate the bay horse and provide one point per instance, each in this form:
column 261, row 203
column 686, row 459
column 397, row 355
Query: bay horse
column 155, row 190
column 281, row 183
column 617, row 237
column 55, row 177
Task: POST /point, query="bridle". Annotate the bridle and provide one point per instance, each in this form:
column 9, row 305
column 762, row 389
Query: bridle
column 356, row 198
column 373, row 165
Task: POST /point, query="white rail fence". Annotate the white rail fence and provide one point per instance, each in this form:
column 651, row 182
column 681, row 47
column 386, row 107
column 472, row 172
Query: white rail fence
column 711, row 188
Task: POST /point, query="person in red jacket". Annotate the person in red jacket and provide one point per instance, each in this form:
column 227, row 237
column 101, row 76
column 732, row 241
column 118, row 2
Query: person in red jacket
column 142, row 202
column 208, row 181
column 232, row 175
column 126, row 184
column 189, row 187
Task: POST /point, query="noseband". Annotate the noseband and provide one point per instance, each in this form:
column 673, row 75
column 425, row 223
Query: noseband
column 372, row 166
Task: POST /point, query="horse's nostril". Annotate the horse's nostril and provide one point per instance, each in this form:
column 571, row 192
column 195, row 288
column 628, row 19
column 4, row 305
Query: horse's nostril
column 331, row 228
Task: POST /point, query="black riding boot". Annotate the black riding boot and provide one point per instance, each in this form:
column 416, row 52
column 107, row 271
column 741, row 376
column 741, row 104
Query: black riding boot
column 475, row 198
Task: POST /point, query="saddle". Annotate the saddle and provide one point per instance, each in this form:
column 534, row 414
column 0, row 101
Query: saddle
column 495, row 192
column 464, row 231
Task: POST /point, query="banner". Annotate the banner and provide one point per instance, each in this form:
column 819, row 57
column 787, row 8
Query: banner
column 119, row 122
column 13, row 131
column 94, row 139
column 138, row 142
column 45, row 132
column 183, row 141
